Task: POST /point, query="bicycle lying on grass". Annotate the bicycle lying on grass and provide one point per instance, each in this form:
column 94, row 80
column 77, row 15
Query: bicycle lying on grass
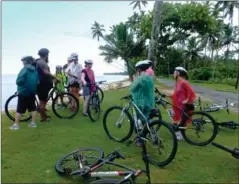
column 61, row 110
column 218, row 107
column 85, row 167
column 198, row 124
column 234, row 152
column 148, row 132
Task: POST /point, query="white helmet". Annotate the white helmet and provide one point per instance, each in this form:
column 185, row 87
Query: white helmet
column 74, row 55
column 70, row 58
column 181, row 69
column 88, row 61
column 142, row 64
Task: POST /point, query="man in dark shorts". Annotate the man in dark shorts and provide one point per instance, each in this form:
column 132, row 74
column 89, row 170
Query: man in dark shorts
column 46, row 81
column 27, row 81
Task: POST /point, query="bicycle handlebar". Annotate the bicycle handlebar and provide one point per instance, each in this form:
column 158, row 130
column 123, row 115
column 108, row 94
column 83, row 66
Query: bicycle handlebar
column 128, row 97
column 161, row 94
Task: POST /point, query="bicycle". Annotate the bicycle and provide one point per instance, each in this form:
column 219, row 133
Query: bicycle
column 197, row 124
column 54, row 96
column 215, row 108
column 147, row 132
column 94, row 105
column 234, row 152
column 86, row 169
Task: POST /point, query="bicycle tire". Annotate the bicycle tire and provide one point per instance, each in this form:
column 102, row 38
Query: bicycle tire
column 110, row 181
column 214, row 134
column 94, row 99
column 100, row 93
column 131, row 129
column 55, row 102
column 62, row 171
column 8, row 113
column 171, row 156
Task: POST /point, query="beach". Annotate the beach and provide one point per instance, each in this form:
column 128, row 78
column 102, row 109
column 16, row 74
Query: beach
column 9, row 85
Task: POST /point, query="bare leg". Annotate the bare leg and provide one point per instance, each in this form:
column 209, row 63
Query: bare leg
column 15, row 126
column 86, row 104
column 34, row 115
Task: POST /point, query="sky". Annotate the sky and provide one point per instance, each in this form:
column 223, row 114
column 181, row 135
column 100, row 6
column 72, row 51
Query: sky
column 62, row 27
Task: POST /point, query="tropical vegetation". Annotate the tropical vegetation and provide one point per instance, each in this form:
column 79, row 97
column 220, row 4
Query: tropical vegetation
column 195, row 35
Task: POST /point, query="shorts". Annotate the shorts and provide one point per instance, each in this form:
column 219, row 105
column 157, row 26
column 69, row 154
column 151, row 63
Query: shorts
column 42, row 92
column 189, row 108
column 26, row 103
column 74, row 85
column 86, row 90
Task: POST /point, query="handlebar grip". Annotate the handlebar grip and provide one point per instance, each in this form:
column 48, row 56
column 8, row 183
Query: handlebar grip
column 119, row 155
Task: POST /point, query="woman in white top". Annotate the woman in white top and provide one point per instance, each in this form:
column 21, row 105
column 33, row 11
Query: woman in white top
column 73, row 72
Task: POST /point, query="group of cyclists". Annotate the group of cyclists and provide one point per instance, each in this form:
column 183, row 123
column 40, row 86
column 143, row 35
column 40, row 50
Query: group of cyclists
column 35, row 78
column 142, row 91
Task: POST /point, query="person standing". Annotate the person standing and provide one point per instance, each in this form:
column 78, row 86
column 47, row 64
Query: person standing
column 27, row 81
column 46, row 81
column 73, row 72
column 88, row 81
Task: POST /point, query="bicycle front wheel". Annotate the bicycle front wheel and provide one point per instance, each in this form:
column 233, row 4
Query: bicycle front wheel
column 118, row 124
column 65, row 105
column 100, row 93
column 94, row 108
column 90, row 157
column 200, row 123
column 162, row 144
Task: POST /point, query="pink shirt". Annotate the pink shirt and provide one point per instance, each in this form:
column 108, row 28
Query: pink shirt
column 150, row 71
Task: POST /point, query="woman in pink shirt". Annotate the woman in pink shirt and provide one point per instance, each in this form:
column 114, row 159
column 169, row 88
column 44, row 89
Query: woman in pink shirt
column 150, row 70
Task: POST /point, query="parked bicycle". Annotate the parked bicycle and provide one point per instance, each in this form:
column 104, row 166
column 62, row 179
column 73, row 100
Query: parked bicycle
column 84, row 165
column 217, row 107
column 150, row 131
column 198, row 125
column 60, row 102
column 94, row 109
column 234, row 152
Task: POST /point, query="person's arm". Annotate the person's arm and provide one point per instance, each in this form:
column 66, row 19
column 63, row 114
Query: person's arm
column 83, row 77
column 45, row 70
column 136, row 84
column 189, row 92
column 21, row 77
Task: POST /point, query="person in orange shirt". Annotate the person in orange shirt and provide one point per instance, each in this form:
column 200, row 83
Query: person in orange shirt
column 183, row 97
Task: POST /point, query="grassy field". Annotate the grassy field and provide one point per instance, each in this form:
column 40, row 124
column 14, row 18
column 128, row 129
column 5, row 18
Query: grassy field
column 29, row 155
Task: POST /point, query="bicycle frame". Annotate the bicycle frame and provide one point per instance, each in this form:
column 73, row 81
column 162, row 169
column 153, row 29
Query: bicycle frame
column 135, row 109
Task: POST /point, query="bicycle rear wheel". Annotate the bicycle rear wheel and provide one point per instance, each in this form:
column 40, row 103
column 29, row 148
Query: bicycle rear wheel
column 94, row 108
column 199, row 122
column 10, row 109
column 62, row 106
column 91, row 156
column 163, row 140
column 118, row 124
column 110, row 181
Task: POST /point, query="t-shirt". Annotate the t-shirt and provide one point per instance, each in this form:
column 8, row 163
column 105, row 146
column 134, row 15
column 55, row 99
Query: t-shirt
column 150, row 72
column 75, row 69
column 41, row 65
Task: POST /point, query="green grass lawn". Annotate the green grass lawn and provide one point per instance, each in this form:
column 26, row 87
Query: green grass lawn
column 29, row 155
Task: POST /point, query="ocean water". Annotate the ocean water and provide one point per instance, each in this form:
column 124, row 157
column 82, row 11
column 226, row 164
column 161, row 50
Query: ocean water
column 8, row 85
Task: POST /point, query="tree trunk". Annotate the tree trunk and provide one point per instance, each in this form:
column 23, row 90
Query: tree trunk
column 237, row 82
column 152, row 52
column 214, row 69
column 130, row 73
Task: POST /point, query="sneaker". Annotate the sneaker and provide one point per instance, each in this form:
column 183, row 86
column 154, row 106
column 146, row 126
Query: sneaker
column 139, row 142
column 85, row 114
column 14, row 127
column 33, row 125
column 179, row 135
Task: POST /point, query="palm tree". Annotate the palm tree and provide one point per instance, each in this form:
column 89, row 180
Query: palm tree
column 192, row 51
column 228, row 8
column 97, row 30
column 137, row 4
column 120, row 43
column 152, row 51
